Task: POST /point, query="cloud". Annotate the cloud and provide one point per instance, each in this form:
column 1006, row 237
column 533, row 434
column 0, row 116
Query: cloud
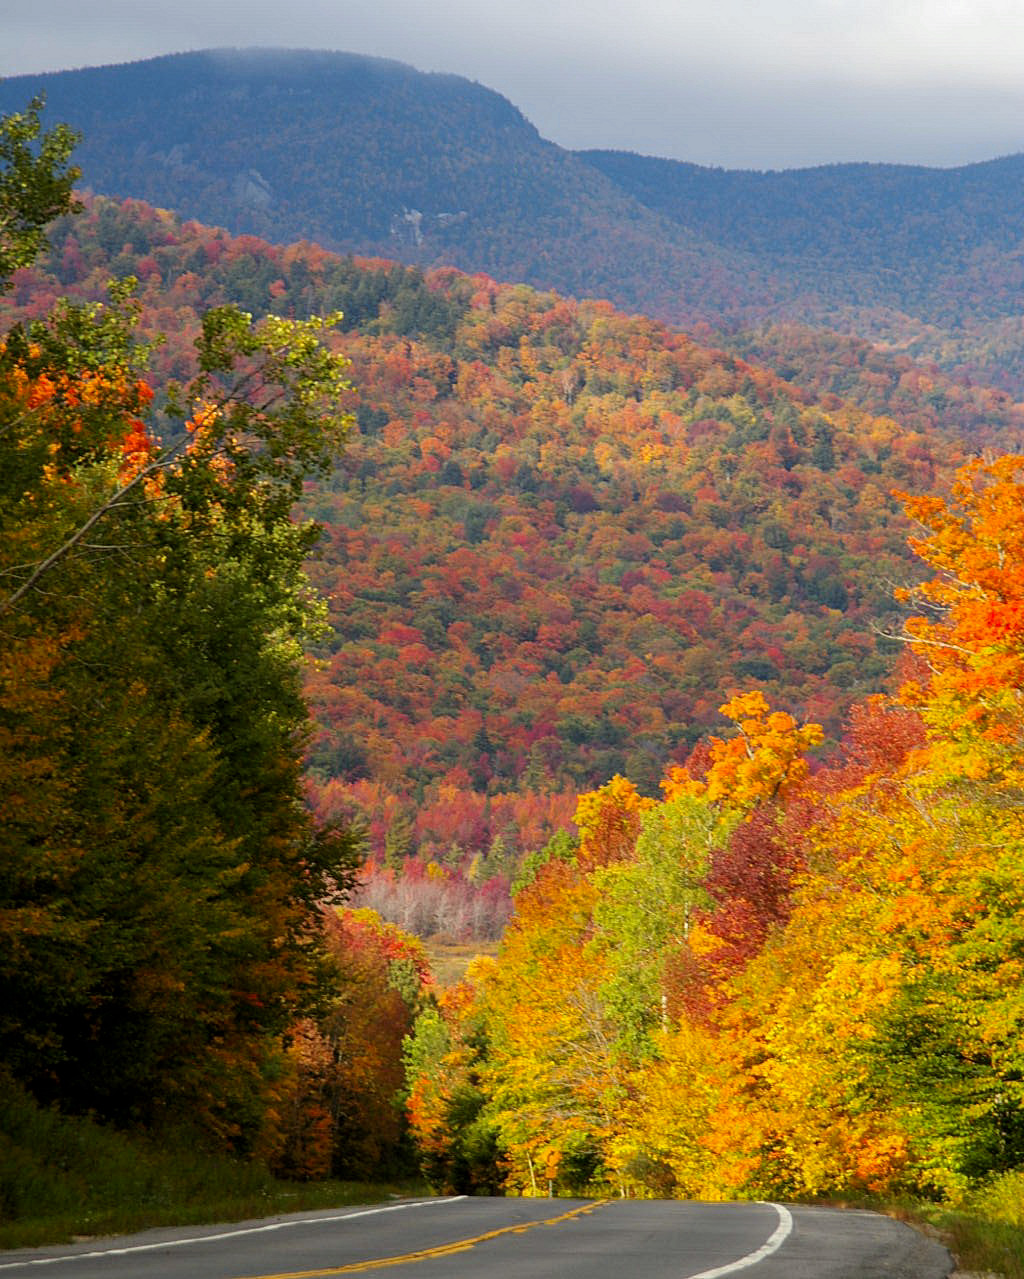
column 781, row 83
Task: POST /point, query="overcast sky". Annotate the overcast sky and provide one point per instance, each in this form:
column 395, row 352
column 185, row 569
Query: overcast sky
column 738, row 83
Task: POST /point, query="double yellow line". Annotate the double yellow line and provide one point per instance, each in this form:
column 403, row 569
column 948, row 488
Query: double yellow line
column 427, row 1254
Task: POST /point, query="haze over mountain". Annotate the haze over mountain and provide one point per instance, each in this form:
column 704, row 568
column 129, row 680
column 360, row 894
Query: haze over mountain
column 371, row 156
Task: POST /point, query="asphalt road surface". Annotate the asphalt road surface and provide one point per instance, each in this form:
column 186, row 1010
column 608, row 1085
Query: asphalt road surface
column 512, row 1239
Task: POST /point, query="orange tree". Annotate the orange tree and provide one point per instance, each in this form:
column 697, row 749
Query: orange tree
column 971, row 636
column 949, row 1045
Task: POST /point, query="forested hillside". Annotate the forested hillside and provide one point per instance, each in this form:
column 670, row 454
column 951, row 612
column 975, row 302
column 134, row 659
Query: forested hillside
column 559, row 535
column 773, row 981
column 931, row 242
column 371, row 156
column 886, row 382
column 605, row 610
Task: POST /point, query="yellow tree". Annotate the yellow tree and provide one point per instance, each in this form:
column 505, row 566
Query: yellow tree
column 551, row 1076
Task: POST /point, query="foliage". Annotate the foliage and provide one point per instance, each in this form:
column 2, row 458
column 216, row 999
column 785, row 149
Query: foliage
column 886, row 381
column 455, row 1139
column 560, row 533
column 781, row 981
column 35, row 184
column 984, row 1231
column 63, row 1176
column 161, row 878
column 341, row 1107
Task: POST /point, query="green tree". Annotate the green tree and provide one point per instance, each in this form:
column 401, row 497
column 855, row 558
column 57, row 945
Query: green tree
column 161, row 877
column 644, row 909
column 35, row 184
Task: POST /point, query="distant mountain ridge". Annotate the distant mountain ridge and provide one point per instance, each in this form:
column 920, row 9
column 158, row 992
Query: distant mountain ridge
column 793, row 221
column 370, row 156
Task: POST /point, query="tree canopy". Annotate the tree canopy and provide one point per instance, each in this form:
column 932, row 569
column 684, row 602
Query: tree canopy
column 36, row 179
column 161, row 879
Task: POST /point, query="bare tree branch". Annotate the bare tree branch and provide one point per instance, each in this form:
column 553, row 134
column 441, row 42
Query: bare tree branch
column 70, row 543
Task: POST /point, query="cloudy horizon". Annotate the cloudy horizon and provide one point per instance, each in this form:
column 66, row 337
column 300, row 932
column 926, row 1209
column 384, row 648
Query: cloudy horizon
column 790, row 84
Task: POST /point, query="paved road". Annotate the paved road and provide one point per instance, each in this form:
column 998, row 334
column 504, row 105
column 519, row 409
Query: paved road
column 513, row 1239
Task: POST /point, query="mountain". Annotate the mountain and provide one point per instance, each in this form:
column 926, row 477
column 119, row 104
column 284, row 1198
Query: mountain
column 871, row 247
column 560, row 536
column 371, row 156
column 890, row 235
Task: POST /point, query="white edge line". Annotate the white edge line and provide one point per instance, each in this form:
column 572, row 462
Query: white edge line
column 771, row 1244
column 225, row 1234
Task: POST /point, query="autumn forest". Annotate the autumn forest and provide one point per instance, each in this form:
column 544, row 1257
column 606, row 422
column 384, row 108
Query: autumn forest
column 353, row 613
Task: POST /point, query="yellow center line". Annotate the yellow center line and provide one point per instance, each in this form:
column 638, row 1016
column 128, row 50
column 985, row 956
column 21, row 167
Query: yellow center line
column 427, row 1254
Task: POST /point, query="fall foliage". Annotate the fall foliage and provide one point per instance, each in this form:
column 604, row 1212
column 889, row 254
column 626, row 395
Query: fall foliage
column 563, row 546
column 559, row 538
column 779, row 981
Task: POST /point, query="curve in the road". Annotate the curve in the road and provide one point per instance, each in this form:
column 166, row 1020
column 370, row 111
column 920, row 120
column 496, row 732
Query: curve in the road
column 661, row 1239
column 772, row 1244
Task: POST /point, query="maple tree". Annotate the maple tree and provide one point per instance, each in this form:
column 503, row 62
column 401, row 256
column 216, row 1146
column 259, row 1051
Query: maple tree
column 576, row 1009
column 971, row 640
column 551, row 1078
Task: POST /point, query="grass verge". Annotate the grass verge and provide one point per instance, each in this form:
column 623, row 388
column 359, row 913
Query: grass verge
column 63, row 1179
column 985, row 1233
column 984, row 1230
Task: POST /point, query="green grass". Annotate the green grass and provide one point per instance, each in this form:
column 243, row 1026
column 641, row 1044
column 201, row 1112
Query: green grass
column 985, row 1233
column 62, row 1179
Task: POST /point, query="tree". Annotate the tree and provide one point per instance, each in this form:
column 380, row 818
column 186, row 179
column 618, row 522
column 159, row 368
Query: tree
column 644, row 909
column 446, row 1104
column 343, row 1097
column 971, row 637
column 161, row 878
column 35, row 184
